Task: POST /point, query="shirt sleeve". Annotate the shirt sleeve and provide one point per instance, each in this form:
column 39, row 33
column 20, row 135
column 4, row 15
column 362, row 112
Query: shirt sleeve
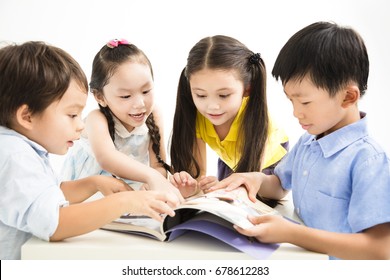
column 370, row 200
column 285, row 167
column 31, row 196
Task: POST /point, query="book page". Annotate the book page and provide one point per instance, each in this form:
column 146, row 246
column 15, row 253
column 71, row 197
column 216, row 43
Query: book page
column 234, row 206
column 142, row 225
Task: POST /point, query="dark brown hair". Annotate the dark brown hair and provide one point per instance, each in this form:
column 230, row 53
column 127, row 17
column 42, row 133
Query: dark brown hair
column 222, row 53
column 105, row 63
column 35, row 74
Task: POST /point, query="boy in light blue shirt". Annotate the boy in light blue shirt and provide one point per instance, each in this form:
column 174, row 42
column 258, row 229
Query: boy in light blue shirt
column 43, row 91
column 339, row 176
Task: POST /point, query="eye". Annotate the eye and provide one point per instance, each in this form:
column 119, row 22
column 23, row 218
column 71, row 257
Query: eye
column 200, row 96
column 305, row 103
column 224, row 96
column 72, row 116
column 125, row 96
column 146, row 91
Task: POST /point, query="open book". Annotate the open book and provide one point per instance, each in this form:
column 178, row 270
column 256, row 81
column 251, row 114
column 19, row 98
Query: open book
column 213, row 213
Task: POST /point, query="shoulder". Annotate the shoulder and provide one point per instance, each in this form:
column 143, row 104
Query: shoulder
column 96, row 118
column 13, row 143
column 95, row 115
column 158, row 116
column 369, row 151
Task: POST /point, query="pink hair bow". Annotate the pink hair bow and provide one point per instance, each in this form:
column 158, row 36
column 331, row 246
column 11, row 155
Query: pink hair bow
column 114, row 43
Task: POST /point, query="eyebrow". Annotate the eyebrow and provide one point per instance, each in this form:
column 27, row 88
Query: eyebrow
column 147, row 84
column 220, row 89
column 293, row 94
column 75, row 106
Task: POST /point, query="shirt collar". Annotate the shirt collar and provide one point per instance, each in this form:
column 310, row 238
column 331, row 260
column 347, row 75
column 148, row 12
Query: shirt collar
column 343, row 137
column 38, row 148
column 121, row 130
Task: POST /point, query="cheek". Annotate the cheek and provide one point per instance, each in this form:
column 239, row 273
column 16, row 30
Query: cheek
column 197, row 104
column 120, row 106
column 149, row 100
column 233, row 105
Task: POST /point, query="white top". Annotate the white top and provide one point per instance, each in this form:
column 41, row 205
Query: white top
column 80, row 161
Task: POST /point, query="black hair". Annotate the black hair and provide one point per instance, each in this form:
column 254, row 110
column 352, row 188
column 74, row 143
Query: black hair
column 330, row 54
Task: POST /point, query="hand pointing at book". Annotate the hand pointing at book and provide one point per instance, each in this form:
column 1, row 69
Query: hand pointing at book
column 153, row 204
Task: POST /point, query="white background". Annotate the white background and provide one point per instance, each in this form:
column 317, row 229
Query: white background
column 166, row 30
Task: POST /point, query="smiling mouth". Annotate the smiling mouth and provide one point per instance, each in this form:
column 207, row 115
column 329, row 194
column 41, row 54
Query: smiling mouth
column 215, row 115
column 137, row 116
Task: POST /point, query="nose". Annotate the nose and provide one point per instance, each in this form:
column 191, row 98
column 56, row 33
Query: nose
column 80, row 125
column 138, row 102
column 213, row 106
column 297, row 112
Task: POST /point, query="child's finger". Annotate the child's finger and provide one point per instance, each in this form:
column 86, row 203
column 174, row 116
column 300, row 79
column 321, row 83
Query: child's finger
column 163, row 208
column 252, row 195
column 246, row 232
column 176, row 179
column 183, row 177
column 220, row 185
column 207, row 180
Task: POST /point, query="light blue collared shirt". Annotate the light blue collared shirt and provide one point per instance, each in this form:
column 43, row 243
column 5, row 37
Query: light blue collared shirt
column 341, row 182
column 30, row 196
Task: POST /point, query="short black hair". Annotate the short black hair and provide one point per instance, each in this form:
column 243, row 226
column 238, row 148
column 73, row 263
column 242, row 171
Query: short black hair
column 330, row 54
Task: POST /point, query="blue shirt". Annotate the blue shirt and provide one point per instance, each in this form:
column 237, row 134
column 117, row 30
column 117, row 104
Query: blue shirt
column 30, row 196
column 341, row 182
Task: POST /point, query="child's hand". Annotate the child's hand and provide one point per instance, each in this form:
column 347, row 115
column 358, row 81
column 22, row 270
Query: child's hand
column 152, row 203
column 187, row 185
column 251, row 180
column 268, row 228
column 207, row 182
column 159, row 183
column 109, row 185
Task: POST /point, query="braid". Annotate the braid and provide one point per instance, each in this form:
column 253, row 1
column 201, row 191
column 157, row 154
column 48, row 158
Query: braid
column 110, row 120
column 154, row 133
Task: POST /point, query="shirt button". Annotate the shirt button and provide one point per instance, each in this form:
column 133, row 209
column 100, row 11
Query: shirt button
column 305, row 173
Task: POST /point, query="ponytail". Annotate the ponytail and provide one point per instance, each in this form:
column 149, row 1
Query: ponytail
column 183, row 137
column 254, row 124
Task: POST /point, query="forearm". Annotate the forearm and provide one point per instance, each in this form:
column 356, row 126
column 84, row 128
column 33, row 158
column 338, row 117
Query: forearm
column 271, row 187
column 161, row 170
column 372, row 245
column 78, row 190
column 85, row 217
column 125, row 167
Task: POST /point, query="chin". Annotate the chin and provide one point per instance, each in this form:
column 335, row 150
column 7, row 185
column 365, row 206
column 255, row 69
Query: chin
column 61, row 152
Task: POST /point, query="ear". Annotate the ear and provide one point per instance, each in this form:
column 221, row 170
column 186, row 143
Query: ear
column 247, row 91
column 99, row 97
column 24, row 117
column 351, row 96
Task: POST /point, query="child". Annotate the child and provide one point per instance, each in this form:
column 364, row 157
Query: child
column 221, row 101
column 123, row 136
column 339, row 176
column 42, row 93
